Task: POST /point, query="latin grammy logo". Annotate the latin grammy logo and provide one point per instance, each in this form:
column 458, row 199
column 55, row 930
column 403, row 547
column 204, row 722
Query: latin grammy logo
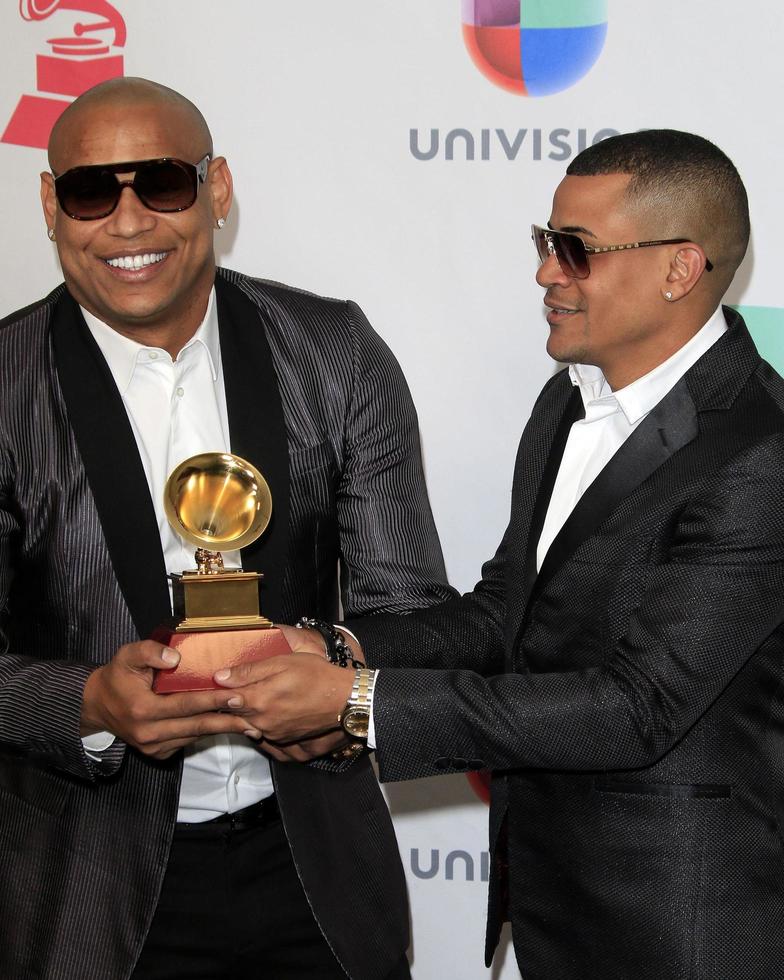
column 76, row 63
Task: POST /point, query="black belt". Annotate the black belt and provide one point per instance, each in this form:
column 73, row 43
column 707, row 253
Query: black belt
column 260, row 814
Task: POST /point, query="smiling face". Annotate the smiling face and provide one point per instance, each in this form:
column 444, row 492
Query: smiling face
column 616, row 318
column 147, row 275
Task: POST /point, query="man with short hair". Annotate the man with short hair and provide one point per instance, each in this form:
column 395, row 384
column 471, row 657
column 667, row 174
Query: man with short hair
column 147, row 835
column 618, row 667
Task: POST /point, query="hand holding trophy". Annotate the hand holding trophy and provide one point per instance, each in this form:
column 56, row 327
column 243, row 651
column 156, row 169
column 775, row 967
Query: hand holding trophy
column 216, row 501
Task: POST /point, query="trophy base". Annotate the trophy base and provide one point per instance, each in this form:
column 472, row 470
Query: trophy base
column 212, row 624
column 202, row 653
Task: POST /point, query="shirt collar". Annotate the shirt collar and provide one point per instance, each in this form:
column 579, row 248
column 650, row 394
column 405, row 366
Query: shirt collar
column 123, row 354
column 642, row 395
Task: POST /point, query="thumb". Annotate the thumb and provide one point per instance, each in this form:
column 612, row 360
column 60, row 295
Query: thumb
column 148, row 655
column 251, row 671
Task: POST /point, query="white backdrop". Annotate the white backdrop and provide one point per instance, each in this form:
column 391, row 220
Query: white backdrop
column 314, row 104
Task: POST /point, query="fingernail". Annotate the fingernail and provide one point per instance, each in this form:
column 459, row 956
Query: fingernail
column 222, row 675
column 235, row 702
column 253, row 733
column 170, row 657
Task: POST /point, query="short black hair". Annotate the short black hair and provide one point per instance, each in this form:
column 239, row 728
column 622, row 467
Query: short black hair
column 684, row 185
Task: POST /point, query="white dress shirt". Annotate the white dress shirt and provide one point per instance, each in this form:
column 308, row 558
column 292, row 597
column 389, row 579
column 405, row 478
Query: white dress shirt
column 178, row 409
column 610, row 418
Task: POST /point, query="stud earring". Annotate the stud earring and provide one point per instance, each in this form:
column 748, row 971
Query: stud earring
column 220, row 223
column 668, row 295
column 50, row 233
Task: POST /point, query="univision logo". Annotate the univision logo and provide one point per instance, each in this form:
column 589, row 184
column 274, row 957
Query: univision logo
column 534, row 47
column 455, row 864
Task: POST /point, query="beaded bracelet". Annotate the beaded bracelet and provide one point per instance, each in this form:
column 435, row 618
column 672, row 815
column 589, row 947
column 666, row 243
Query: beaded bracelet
column 337, row 650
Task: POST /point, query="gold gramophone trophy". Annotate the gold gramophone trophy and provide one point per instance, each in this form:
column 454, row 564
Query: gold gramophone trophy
column 216, row 501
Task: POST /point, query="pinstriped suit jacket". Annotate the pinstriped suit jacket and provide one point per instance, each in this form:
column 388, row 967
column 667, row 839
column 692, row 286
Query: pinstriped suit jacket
column 628, row 697
column 318, row 403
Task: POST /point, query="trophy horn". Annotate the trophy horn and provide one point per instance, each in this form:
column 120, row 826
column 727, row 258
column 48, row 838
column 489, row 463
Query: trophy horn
column 37, row 9
column 218, row 501
column 42, row 9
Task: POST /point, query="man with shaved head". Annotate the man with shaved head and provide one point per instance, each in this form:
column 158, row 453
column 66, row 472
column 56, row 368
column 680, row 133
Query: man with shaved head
column 619, row 667
column 148, row 835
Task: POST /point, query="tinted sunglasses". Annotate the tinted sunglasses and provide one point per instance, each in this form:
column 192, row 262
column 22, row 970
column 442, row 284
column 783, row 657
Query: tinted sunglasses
column 165, row 185
column 572, row 253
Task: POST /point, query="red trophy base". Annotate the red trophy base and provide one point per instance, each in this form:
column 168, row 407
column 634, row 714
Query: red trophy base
column 202, row 653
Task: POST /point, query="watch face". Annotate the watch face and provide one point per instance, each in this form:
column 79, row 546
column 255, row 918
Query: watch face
column 356, row 721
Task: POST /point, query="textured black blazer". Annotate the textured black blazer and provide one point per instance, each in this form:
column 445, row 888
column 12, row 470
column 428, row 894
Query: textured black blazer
column 318, row 403
column 628, row 698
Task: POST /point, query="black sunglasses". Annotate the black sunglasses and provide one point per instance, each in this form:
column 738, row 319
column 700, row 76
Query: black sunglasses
column 572, row 253
column 165, row 185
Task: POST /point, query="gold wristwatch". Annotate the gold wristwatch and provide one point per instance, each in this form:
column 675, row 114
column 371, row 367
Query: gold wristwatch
column 355, row 717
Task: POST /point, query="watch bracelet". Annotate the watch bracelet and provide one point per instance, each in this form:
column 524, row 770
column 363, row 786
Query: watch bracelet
column 361, row 696
column 368, row 675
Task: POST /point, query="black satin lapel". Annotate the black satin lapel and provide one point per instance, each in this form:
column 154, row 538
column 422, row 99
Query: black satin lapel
column 668, row 427
column 257, row 428
column 574, row 410
column 113, row 467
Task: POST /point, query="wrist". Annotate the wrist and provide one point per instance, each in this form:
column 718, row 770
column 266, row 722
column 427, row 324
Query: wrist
column 90, row 721
column 355, row 716
column 339, row 648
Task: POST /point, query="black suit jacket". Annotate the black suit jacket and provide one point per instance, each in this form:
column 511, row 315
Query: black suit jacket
column 628, row 698
column 318, row 403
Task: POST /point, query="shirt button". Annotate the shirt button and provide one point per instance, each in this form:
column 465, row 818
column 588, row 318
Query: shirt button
column 153, row 355
column 237, row 780
column 180, row 392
